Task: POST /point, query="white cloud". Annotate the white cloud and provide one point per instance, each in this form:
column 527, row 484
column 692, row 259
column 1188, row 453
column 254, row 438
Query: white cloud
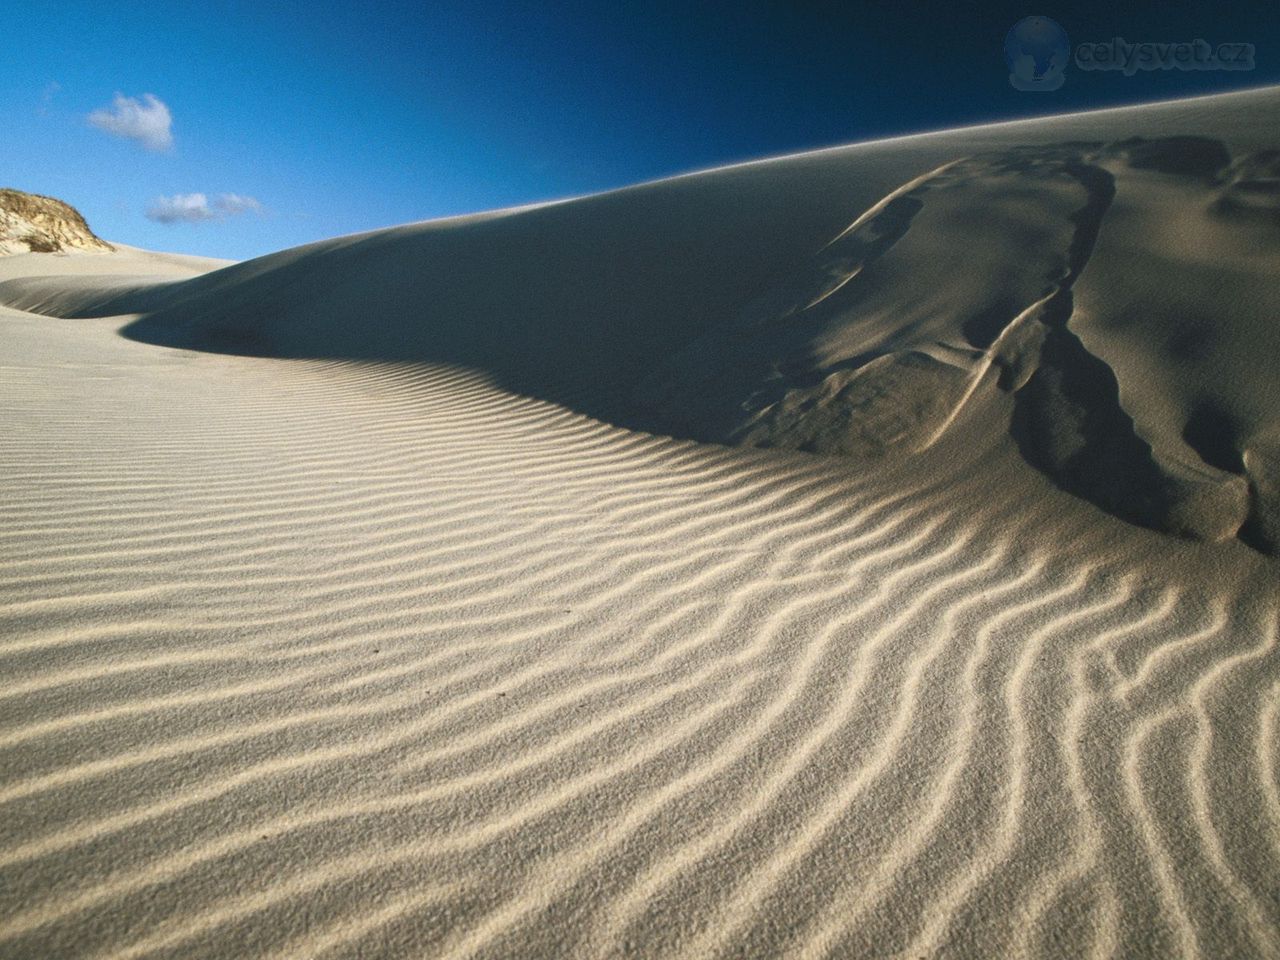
column 180, row 208
column 147, row 120
column 232, row 203
column 197, row 207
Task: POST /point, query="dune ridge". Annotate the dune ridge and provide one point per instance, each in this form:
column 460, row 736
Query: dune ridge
column 360, row 655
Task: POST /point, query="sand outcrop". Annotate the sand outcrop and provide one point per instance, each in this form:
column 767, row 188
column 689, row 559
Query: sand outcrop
column 30, row 223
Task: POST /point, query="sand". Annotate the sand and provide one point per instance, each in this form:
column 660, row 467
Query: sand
column 764, row 562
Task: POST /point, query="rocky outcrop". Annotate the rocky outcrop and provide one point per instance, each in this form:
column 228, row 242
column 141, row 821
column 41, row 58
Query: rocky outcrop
column 30, row 223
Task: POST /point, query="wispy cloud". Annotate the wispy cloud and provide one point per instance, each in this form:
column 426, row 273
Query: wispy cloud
column 48, row 93
column 146, row 120
column 197, row 207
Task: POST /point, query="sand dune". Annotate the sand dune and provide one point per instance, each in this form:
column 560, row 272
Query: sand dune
column 346, row 612
column 1101, row 286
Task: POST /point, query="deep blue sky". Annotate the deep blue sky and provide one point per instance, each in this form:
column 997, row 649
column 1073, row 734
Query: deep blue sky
column 346, row 117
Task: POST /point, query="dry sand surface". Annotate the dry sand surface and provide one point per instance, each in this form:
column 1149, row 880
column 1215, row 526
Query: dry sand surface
column 868, row 553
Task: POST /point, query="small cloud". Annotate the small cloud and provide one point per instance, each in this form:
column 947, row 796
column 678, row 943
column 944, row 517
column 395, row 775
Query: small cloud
column 147, row 120
column 197, row 207
column 180, row 208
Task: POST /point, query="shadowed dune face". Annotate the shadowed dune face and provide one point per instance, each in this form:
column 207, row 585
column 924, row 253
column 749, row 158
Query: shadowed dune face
column 961, row 286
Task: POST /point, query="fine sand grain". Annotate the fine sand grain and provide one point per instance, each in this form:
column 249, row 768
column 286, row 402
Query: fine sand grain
column 385, row 597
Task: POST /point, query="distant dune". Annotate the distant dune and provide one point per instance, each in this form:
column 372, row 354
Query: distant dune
column 865, row 553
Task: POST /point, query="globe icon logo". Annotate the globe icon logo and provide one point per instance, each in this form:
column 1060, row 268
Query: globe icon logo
column 1037, row 51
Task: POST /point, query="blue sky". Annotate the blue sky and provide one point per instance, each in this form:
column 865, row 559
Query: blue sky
column 343, row 117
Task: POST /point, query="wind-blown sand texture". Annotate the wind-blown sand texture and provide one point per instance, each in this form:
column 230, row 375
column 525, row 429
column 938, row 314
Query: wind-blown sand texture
column 472, row 588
